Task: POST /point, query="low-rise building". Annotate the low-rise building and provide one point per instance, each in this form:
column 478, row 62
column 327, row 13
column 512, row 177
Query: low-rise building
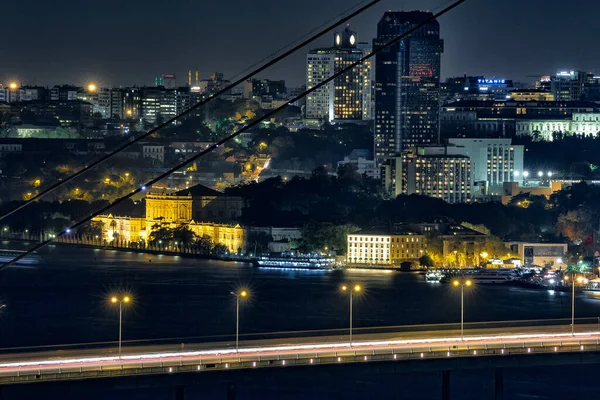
column 362, row 160
column 539, row 254
column 138, row 230
column 203, row 210
column 531, row 95
column 384, row 247
column 511, row 189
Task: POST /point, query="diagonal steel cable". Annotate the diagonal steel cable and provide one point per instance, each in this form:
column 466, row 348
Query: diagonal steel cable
column 252, row 124
column 241, row 80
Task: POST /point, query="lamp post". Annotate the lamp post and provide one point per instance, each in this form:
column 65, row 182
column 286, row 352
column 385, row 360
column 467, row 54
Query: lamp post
column 241, row 294
column 115, row 300
column 462, row 285
column 579, row 279
column 354, row 289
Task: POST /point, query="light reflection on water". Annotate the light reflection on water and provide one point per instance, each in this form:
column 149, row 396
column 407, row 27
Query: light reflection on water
column 65, row 297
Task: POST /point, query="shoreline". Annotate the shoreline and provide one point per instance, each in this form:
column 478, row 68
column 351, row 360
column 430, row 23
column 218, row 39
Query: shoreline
column 138, row 251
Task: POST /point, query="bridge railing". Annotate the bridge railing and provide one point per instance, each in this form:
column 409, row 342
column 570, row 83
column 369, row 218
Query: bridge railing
column 173, row 365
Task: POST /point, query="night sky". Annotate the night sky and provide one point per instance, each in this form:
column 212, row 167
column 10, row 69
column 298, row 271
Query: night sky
column 126, row 42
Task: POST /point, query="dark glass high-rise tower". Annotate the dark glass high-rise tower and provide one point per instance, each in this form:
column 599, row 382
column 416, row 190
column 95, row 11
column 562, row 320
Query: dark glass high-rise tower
column 407, row 83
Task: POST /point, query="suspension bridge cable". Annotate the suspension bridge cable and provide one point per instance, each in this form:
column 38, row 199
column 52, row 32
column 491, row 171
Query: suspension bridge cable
column 131, row 141
column 250, row 125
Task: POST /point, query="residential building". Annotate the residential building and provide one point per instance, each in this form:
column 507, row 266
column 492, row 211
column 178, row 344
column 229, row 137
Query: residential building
column 407, row 83
column 442, row 172
column 384, row 247
column 108, row 103
column 32, row 93
column 343, row 99
column 154, row 151
column 158, row 104
column 212, row 85
column 493, row 162
column 64, row 92
column 71, row 113
column 264, row 87
column 6, row 148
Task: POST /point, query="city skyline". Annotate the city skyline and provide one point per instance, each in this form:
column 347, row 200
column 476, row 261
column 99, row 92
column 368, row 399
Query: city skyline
column 184, row 42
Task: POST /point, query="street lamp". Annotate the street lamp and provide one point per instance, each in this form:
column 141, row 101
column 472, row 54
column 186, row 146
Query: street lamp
column 123, row 300
column 92, row 87
column 354, row 289
column 579, row 280
column 462, row 285
column 540, row 174
column 484, row 255
column 241, row 294
column 13, row 85
column 525, row 174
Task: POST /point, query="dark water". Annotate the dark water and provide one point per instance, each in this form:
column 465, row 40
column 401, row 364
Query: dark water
column 64, row 299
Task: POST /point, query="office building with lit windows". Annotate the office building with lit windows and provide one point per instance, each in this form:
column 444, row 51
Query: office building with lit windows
column 344, row 99
column 407, row 83
column 493, row 162
column 443, row 172
column 380, row 247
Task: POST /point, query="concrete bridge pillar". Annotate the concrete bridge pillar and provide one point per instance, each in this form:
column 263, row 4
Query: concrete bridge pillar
column 180, row 392
column 445, row 385
column 499, row 384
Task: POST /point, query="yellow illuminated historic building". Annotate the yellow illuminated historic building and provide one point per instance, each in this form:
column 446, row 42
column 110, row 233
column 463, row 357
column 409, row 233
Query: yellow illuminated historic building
column 203, row 210
column 384, row 249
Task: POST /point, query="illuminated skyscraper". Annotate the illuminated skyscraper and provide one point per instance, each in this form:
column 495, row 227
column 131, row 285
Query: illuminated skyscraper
column 407, row 83
column 347, row 98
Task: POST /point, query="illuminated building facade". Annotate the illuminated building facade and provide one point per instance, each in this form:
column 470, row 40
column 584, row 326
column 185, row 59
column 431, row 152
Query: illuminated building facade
column 568, row 85
column 348, row 97
column 475, row 88
column 531, row 95
column 202, row 210
column 381, row 248
column 502, row 118
column 407, row 83
column 493, row 162
column 580, row 124
column 443, row 172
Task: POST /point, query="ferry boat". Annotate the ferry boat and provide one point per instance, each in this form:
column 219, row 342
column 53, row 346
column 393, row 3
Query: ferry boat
column 9, row 255
column 295, row 261
column 433, row 276
column 484, row 276
column 494, row 276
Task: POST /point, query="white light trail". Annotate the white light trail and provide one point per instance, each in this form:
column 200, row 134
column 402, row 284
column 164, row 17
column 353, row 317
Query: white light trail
column 303, row 348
